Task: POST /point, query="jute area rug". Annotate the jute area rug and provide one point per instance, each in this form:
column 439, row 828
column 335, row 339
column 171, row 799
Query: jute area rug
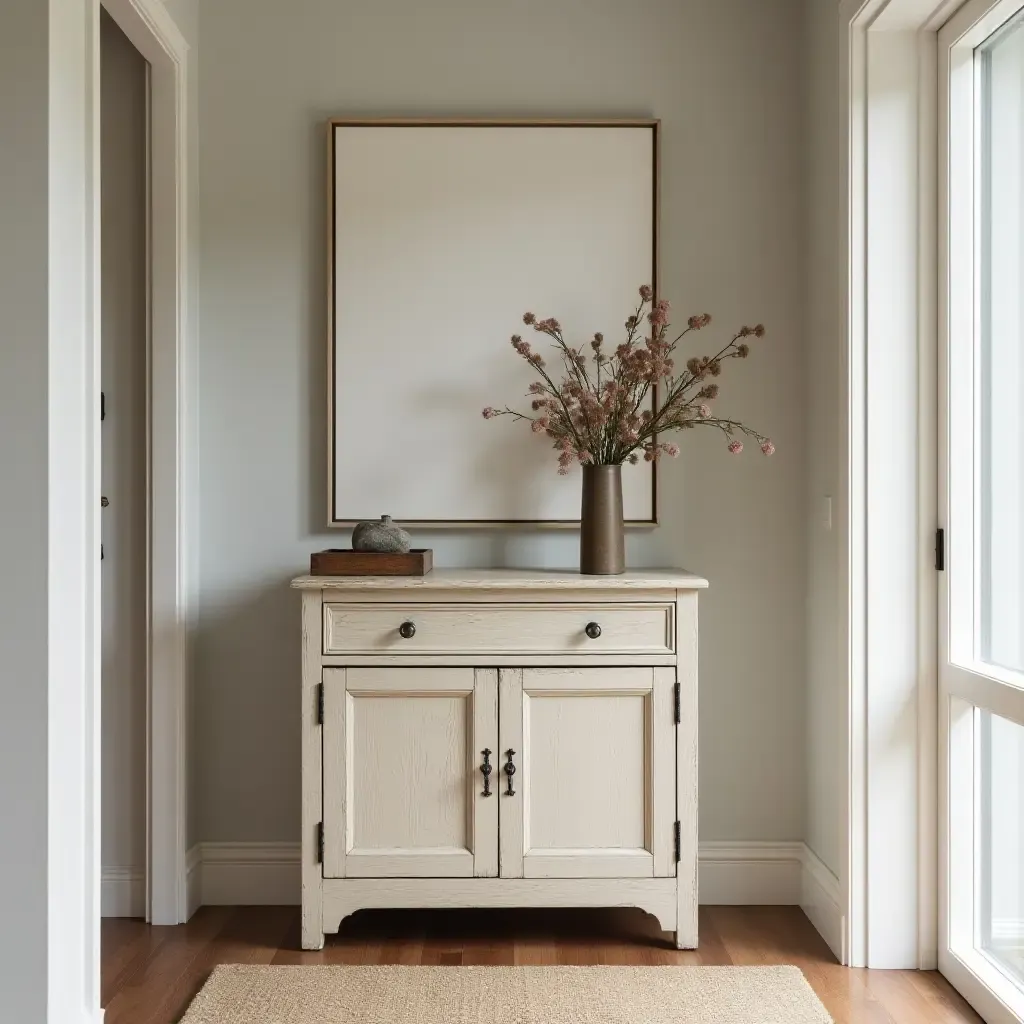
column 246, row 994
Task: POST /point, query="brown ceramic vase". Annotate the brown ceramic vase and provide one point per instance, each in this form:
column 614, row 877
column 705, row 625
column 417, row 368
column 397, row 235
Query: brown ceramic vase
column 602, row 548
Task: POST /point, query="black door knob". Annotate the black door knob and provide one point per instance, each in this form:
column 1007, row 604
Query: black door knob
column 593, row 630
column 407, row 630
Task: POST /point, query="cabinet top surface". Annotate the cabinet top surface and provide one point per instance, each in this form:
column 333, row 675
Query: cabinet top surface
column 509, row 579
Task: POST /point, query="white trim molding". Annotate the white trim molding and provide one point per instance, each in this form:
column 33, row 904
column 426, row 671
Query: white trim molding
column 731, row 873
column 123, row 892
column 749, row 873
column 242, row 874
column 821, row 901
column 171, row 359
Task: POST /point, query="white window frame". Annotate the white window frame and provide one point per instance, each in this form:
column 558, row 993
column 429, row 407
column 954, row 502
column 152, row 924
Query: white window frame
column 964, row 684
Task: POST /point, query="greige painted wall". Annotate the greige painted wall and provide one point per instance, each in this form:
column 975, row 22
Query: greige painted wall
column 725, row 77
column 824, row 210
column 24, row 506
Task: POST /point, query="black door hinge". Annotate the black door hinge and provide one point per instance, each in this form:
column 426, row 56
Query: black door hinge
column 320, row 704
column 679, row 843
column 678, row 704
column 320, row 843
column 940, row 549
column 103, row 406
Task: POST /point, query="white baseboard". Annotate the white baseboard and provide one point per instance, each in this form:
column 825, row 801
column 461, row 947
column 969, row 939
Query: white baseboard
column 731, row 873
column 241, row 874
column 736, row 874
column 749, row 873
column 821, row 901
column 122, row 892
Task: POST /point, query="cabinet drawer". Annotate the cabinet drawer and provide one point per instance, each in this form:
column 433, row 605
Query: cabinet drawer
column 633, row 628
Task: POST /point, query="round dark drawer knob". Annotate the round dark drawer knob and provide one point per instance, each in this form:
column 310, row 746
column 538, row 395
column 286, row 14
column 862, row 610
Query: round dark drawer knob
column 593, row 630
column 407, row 630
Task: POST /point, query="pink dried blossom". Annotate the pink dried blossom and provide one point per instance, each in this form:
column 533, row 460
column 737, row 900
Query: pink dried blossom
column 659, row 315
column 609, row 408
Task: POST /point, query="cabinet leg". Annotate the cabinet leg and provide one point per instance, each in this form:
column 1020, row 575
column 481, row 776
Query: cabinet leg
column 312, row 940
column 685, row 941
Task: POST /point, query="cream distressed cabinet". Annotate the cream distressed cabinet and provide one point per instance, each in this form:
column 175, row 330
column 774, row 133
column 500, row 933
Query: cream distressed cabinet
column 499, row 738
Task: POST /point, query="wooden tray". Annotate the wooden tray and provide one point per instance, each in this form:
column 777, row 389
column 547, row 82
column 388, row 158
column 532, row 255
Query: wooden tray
column 345, row 562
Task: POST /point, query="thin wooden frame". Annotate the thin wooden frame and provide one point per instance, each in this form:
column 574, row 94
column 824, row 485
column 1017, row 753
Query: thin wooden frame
column 654, row 124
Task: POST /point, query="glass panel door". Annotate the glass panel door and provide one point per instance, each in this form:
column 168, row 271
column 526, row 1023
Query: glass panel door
column 981, row 948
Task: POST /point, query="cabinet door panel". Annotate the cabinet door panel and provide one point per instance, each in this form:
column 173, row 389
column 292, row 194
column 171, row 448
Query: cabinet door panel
column 403, row 794
column 595, row 773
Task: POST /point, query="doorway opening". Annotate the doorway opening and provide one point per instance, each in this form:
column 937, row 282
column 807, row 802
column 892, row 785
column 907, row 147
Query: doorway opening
column 124, row 328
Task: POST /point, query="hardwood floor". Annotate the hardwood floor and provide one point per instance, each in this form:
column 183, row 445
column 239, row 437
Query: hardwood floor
column 151, row 974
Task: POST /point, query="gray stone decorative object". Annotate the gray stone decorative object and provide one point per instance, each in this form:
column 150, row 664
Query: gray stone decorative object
column 382, row 536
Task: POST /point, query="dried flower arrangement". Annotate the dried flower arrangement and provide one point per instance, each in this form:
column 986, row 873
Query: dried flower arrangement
column 596, row 415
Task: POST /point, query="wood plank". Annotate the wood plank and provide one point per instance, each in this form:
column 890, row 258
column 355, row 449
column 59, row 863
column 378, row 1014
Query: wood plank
column 510, row 579
column 173, row 962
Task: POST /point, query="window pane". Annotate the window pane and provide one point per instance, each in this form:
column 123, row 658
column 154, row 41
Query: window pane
column 1002, row 843
column 1001, row 392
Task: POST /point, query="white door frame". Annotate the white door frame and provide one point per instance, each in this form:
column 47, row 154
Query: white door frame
column 888, row 510
column 170, row 366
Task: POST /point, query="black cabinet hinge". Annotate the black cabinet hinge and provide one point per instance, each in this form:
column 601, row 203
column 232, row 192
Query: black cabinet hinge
column 940, row 549
column 103, row 406
column 679, row 842
column 320, row 704
column 678, row 704
column 320, row 843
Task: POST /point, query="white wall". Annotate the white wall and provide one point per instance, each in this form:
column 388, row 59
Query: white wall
column 725, row 77
column 24, row 509
column 823, row 218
